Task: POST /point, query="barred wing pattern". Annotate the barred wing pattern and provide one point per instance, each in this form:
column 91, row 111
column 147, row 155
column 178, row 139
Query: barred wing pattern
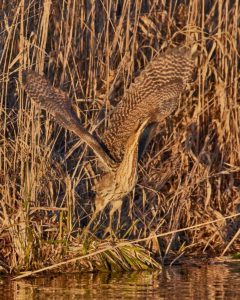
column 57, row 103
column 149, row 100
column 154, row 94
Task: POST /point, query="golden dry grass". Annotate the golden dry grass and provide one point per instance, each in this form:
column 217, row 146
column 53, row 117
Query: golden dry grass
column 93, row 50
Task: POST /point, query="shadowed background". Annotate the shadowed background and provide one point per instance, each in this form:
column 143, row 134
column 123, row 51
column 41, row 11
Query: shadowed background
column 93, row 50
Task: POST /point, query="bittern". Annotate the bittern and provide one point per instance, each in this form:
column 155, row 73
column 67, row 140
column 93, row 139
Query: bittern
column 149, row 100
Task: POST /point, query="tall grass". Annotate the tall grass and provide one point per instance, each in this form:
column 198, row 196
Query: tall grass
column 93, row 50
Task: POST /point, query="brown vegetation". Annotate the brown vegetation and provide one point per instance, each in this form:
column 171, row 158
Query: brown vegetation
column 93, row 50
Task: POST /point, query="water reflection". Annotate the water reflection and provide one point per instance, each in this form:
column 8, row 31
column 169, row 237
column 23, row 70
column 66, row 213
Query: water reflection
column 206, row 282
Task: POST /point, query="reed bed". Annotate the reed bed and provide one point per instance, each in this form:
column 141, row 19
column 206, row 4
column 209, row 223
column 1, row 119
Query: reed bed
column 190, row 173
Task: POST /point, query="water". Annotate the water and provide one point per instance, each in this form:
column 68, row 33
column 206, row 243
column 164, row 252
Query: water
column 179, row 282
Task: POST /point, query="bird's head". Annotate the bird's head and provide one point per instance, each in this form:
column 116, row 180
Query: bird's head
column 105, row 191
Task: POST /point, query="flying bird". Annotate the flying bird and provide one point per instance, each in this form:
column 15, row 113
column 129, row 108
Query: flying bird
column 148, row 101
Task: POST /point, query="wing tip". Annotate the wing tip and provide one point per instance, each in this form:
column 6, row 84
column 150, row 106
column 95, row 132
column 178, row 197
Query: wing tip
column 28, row 75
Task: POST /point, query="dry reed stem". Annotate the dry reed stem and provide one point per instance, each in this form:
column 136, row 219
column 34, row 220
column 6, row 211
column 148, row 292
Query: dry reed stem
column 120, row 244
column 93, row 50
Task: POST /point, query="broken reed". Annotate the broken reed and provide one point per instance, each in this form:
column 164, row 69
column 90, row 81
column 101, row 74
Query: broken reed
column 94, row 50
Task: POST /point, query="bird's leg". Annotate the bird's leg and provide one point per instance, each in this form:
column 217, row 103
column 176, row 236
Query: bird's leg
column 115, row 206
column 126, row 174
column 86, row 229
column 118, row 216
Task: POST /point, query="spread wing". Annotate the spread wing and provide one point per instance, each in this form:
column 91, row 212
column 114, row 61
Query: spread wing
column 154, row 94
column 57, row 103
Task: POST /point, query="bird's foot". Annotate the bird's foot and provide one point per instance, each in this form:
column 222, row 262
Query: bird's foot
column 109, row 232
column 86, row 231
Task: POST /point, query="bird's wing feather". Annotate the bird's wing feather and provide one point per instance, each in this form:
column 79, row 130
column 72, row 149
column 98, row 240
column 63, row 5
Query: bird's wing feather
column 57, row 103
column 154, row 93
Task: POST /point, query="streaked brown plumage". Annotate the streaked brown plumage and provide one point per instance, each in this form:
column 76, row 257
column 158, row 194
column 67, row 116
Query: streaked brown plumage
column 57, row 103
column 154, row 94
column 149, row 100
